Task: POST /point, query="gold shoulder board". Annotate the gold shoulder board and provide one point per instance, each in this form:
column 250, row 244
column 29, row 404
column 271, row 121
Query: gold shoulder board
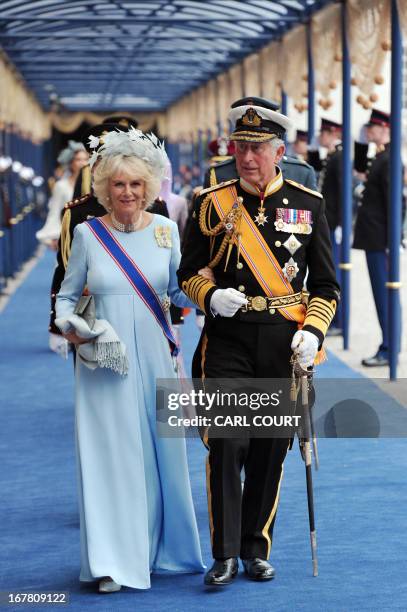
column 218, row 186
column 77, row 201
column 303, row 188
column 86, row 180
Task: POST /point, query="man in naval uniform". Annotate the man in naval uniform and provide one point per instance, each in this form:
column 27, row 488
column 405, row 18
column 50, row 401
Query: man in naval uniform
column 292, row 167
column 258, row 233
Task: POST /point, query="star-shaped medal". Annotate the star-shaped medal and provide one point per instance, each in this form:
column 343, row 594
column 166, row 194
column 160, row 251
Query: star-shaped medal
column 261, row 218
column 292, row 244
column 290, row 269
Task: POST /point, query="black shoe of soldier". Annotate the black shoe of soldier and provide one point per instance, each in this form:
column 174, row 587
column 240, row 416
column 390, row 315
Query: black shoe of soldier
column 222, row 572
column 377, row 360
column 258, row 569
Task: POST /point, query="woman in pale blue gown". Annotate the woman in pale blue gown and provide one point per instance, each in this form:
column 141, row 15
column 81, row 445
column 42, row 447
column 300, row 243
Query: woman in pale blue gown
column 136, row 510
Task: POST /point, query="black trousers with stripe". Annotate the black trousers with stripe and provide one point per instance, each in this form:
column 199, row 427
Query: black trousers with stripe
column 242, row 522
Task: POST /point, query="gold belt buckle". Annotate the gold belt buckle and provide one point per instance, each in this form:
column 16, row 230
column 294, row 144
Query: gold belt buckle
column 259, row 303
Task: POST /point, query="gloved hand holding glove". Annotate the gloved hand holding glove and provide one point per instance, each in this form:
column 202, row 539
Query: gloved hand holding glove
column 226, row 302
column 305, row 344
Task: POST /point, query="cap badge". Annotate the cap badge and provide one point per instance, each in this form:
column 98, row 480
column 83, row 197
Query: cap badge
column 252, row 118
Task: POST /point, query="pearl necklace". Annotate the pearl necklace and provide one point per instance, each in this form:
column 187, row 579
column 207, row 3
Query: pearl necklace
column 126, row 227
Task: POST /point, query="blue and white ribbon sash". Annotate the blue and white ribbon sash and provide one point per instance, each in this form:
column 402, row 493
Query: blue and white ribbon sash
column 134, row 275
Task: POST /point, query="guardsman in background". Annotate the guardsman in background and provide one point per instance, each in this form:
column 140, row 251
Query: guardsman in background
column 292, row 167
column 299, row 148
column 371, row 228
column 330, row 185
column 259, row 234
column 221, row 150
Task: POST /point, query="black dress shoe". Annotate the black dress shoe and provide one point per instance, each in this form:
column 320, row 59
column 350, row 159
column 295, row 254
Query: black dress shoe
column 377, row 360
column 222, row 572
column 258, row 569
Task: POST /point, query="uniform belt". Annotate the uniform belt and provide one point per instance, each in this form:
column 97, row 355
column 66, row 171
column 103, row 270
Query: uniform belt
column 259, row 303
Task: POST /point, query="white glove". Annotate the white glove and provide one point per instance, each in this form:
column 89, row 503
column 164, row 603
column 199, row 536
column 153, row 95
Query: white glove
column 305, row 344
column 226, row 302
column 200, row 320
column 358, row 191
column 59, row 345
column 338, row 234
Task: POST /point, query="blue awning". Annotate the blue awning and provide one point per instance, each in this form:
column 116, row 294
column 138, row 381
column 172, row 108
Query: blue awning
column 137, row 55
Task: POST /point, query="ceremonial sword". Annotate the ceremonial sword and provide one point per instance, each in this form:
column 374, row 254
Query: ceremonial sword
column 300, row 381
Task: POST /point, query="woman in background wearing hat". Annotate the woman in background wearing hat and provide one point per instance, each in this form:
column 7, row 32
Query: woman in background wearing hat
column 136, row 510
column 73, row 159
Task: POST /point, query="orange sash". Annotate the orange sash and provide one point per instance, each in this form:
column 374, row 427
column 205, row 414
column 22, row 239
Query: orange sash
column 257, row 254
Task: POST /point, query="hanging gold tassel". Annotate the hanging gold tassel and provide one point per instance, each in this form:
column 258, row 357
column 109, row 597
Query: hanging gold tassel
column 230, row 246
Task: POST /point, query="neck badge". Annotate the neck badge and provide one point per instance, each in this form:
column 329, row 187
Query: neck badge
column 261, row 218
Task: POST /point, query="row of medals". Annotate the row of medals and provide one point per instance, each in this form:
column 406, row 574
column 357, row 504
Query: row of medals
column 292, row 244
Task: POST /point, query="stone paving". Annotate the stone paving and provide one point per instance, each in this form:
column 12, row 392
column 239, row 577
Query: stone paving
column 365, row 335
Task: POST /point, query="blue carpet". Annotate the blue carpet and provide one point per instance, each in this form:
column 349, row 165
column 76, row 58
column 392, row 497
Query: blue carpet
column 360, row 493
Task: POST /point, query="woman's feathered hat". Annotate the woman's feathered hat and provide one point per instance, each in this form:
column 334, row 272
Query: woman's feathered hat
column 131, row 143
column 66, row 155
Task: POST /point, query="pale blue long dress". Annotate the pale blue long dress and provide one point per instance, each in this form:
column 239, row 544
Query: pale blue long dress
column 136, row 510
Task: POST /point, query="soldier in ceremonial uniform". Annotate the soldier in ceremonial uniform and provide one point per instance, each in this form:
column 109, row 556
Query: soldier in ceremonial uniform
column 258, row 233
column 299, row 147
column 371, row 228
column 330, row 185
column 292, row 167
column 329, row 179
column 221, row 150
column 84, row 206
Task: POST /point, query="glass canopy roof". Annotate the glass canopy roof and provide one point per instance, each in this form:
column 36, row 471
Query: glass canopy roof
column 138, row 55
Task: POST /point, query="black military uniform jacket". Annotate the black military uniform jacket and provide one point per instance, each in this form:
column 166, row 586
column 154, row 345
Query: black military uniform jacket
column 77, row 211
column 330, row 185
column 313, row 253
column 371, row 228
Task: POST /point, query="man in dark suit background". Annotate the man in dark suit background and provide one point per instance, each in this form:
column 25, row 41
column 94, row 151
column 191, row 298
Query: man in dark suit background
column 371, row 228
